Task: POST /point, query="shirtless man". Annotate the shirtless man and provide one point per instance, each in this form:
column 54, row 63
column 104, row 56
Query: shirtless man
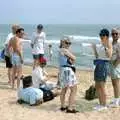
column 16, row 53
column 7, row 54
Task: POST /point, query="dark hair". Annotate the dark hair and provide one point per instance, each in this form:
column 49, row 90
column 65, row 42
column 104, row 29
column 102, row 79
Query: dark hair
column 104, row 32
column 19, row 30
column 40, row 26
column 27, row 81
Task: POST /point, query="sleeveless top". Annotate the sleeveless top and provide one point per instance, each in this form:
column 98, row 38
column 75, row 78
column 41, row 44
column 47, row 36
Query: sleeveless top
column 63, row 60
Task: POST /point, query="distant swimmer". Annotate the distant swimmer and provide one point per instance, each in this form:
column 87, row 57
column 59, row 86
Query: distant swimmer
column 50, row 52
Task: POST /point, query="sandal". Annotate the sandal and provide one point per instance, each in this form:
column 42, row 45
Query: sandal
column 71, row 111
column 63, row 108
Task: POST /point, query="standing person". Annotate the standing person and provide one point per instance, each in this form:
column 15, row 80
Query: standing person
column 37, row 44
column 17, row 57
column 7, row 53
column 67, row 77
column 115, row 68
column 103, row 54
column 50, row 52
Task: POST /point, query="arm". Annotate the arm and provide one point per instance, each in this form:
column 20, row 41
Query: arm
column 32, row 41
column 19, row 50
column 69, row 54
column 44, row 38
column 95, row 51
column 117, row 61
column 108, row 50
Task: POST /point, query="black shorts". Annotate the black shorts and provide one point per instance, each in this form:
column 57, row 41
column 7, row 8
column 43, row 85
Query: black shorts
column 38, row 56
column 8, row 62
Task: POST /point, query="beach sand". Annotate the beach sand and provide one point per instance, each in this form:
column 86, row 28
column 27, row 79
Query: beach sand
column 10, row 110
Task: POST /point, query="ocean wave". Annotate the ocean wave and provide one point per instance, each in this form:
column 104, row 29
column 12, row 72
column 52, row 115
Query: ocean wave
column 75, row 37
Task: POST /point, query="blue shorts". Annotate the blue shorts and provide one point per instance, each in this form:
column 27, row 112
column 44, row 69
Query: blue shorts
column 37, row 56
column 16, row 60
column 101, row 71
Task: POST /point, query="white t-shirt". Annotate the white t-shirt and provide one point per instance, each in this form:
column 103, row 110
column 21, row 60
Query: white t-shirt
column 38, row 76
column 38, row 41
column 11, row 35
column 8, row 38
column 101, row 52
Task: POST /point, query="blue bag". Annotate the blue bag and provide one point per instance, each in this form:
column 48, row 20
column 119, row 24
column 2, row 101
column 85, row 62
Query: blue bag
column 2, row 54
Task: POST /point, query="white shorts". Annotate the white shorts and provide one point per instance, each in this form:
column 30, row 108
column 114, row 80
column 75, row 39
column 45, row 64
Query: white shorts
column 67, row 77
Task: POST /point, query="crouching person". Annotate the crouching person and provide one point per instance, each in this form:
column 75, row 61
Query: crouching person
column 40, row 77
column 29, row 94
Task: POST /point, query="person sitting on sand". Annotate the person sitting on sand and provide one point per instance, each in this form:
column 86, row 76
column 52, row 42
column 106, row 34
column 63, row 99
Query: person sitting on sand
column 40, row 76
column 29, row 94
column 103, row 54
column 67, row 77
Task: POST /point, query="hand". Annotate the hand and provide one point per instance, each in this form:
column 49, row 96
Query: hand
column 31, row 45
column 93, row 46
column 22, row 61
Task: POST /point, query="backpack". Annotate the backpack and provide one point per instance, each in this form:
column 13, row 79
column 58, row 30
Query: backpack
column 91, row 93
column 47, row 94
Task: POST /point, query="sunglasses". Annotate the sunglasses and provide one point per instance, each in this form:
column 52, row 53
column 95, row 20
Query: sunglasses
column 68, row 43
column 114, row 34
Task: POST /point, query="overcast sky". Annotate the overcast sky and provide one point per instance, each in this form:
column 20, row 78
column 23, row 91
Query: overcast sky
column 60, row 11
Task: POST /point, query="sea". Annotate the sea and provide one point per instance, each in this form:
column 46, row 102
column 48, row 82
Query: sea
column 81, row 35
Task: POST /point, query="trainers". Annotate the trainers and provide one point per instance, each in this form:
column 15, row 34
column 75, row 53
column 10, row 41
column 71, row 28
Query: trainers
column 100, row 108
column 115, row 103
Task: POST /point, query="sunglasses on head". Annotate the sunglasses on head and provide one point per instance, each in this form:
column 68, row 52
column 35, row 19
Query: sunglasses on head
column 114, row 34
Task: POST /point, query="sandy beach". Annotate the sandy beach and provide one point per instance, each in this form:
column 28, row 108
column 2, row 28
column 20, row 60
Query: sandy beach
column 10, row 110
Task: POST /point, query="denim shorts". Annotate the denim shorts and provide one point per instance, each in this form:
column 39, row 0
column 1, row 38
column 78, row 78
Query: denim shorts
column 37, row 56
column 16, row 60
column 101, row 71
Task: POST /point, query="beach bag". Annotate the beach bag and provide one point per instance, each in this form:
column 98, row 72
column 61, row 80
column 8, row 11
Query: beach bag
column 47, row 94
column 91, row 93
column 2, row 54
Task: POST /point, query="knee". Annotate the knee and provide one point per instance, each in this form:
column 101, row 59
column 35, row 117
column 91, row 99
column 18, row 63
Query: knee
column 114, row 83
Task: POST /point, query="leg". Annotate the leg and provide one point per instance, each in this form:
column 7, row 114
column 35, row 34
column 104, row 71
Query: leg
column 13, row 76
column 62, row 97
column 100, row 87
column 116, row 87
column 73, row 91
column 10, row 75
column 19, row 72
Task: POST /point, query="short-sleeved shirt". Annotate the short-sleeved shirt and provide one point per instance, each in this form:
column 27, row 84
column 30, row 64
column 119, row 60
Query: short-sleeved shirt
column 101, row 52
column 30, row 95
column 116, row 52
column 38, row 40
column 38, row 76
column 11, row 35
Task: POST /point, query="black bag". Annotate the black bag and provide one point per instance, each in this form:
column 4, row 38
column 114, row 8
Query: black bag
column 91, row 93
column 47, row 94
